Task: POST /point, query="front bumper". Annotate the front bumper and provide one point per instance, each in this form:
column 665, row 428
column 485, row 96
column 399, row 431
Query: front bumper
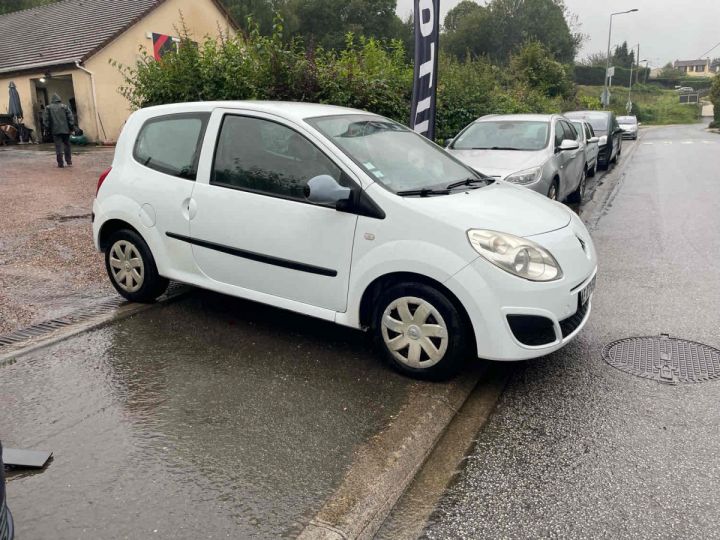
column 496, row 301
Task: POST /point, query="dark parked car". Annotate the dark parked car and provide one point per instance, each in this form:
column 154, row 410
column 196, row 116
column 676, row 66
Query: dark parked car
column 605, row 126
column 6, row 522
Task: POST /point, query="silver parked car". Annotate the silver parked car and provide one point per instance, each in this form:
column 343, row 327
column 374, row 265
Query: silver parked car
column 629, row 125
column 538, row 151
column 590, row 143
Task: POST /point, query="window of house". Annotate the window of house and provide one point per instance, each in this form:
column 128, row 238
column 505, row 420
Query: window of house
column 262, row 156
column 171, row 144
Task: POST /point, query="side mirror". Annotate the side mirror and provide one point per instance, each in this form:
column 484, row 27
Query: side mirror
column 569, row 144
column 324, row 189
column 448, row 142
column 592, row 140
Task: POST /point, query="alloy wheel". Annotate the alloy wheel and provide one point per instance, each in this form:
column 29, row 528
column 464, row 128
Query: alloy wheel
column 553, row 193
column 414, row 332
column 127, row 266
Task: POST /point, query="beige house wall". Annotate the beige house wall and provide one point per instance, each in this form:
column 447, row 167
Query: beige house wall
column 202, row 17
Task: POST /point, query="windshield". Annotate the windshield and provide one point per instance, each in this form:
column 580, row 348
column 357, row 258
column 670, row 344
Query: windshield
column 627, row 120
column 504, row 135
column 396, row 157
column 598, row 121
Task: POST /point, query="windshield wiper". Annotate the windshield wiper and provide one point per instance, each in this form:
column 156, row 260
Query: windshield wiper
column 423, row 192
column 467, row 182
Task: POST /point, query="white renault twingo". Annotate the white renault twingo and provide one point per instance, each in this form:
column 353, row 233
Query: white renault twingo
column 345, row 216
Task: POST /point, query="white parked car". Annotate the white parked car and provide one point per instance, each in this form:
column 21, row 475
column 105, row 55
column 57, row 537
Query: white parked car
column 590, row 146
column 348, row 217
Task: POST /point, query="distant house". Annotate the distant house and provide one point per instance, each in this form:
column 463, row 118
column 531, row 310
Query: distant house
column 65, row 48
column 695, row 68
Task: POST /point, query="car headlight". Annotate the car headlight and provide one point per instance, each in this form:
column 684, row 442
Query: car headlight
column 603, row 140
column 523, row 178
column 515, row 255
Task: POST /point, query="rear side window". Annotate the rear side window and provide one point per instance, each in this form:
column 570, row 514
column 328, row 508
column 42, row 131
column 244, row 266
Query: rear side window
column 589, row 131
column 171, row 144
column 570, row 131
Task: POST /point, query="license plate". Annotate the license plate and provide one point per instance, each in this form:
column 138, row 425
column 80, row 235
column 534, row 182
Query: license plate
column 587, row 292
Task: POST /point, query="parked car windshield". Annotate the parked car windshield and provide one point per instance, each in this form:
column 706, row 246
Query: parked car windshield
column 504, row 135
column 627, row 120
column 598, row 121
column 396, row 157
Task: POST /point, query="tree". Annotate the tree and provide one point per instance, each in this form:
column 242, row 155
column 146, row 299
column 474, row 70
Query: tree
column 327, row 22
column 622, row 57
column 465, row 34
column 715, row 99
column 503, row 26
column 669, row 72
column 598, row 59
column 8, row 6
column 535, row 68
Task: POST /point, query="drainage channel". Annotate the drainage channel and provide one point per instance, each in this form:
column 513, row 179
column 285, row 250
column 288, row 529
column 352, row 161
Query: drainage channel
column 47, row 329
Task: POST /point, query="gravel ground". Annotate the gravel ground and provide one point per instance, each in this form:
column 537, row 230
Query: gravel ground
column 48, row 265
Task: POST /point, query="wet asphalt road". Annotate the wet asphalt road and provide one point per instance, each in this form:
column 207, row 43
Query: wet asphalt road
column 208, row 417
column 577, row 449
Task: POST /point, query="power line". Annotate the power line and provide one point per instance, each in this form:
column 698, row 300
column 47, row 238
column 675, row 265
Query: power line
column 711, row 50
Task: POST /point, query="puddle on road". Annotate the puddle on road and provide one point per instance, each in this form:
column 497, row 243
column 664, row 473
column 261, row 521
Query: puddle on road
column 207, row 417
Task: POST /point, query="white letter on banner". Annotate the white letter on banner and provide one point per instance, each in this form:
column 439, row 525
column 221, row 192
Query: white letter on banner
column 422, row 127
column 426, row 28
column 428, row 67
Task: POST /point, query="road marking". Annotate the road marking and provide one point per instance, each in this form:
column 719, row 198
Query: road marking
column 648, row 143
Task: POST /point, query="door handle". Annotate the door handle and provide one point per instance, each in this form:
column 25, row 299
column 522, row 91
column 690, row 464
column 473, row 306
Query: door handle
column 189, row 208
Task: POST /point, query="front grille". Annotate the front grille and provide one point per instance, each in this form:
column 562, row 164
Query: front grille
column 569, row 325
column 531, row 330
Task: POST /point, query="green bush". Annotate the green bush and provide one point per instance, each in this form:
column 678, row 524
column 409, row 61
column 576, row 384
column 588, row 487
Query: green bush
column 366, row 74
column 715, row 98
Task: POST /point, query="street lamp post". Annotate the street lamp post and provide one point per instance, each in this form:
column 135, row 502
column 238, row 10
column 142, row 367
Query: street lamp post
column 647, row 63
column 606, row 92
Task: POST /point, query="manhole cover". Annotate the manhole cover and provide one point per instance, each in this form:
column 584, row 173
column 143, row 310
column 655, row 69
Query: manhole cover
column 665, row 359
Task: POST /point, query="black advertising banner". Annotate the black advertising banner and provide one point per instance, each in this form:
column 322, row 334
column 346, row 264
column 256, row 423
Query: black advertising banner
column 427, row 26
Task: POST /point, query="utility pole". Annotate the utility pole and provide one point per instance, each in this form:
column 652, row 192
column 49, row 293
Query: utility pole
column 606, row 91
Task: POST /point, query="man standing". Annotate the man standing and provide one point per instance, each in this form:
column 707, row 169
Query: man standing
column 60, row 122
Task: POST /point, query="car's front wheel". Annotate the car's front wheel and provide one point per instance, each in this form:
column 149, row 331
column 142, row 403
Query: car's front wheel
column 420, row 332
column 131, row 267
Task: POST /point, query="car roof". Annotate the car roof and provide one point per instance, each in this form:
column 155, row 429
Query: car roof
column 627, row 118
column 517, row 117
column 586, row 114
column 286, row 109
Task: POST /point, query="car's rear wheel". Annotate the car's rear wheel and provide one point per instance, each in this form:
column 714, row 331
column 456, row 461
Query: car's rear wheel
column 132, row 269
column 578, row 195
column 420, row 332
column 592, row 172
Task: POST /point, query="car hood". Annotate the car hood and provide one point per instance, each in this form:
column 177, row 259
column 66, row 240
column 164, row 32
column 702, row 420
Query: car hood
column 499, row 163
column 499, row 207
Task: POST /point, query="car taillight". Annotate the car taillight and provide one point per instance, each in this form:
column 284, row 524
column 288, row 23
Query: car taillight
column 102, row 178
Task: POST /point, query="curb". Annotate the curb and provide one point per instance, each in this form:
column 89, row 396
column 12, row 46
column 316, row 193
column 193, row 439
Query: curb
column 386, row 465
column 102, row 319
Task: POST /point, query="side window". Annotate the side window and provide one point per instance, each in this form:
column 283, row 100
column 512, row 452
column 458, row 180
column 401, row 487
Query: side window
column 570, row 131
column 589, row 131
column 266, row 157
column 171, row 144
column 559, row 134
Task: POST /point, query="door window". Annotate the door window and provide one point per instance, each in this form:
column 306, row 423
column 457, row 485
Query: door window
column 171, row 144
column 559, row 134
column 262, row 156
column 570, row 131
column 589, row 131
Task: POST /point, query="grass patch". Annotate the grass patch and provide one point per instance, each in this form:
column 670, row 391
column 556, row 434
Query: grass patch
column 652, row 105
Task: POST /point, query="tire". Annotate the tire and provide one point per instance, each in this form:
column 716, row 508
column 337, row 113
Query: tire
column 403, row 317
column 132, row 269
column 592, row 172
column 577, row 196
column 553, row 191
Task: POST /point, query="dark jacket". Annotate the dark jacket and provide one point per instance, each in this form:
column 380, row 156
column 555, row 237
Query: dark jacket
column 58, row 117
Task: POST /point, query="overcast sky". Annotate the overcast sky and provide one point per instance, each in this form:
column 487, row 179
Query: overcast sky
column 667, row 30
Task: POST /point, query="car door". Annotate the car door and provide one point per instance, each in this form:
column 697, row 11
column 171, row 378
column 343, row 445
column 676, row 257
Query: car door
column 568, row 159
column 161, row 177
column 592, row 147
column 254, row 227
